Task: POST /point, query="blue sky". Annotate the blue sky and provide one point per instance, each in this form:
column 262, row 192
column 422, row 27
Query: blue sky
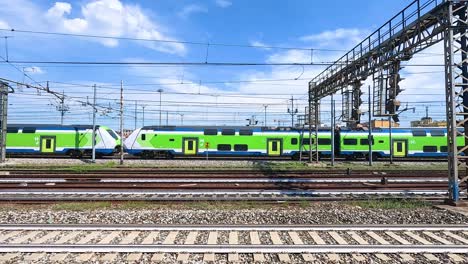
column 202, row 94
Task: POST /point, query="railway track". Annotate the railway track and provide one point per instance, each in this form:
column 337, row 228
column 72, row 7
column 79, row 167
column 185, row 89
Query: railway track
column 129, row 243
column 164, row 185
column 252, row 158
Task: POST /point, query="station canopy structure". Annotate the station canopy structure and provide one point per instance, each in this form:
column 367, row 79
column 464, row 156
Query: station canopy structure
column 418, row 26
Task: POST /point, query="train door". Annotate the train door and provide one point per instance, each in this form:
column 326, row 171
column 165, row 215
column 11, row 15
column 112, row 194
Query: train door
column 274, row 147
column 190, row 146
column 48, row 144
column 399, row 148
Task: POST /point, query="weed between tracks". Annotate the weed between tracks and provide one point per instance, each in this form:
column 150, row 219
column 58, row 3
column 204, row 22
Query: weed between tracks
column 92, row 166
column 385, row 204
column 85, row 165
column 391, row 204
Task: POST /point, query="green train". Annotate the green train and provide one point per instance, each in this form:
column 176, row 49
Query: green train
column 73, row 140
column 171, row 141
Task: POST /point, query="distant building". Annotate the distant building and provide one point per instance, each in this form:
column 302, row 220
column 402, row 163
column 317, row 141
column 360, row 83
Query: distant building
column 379, row 124
column 428, row 122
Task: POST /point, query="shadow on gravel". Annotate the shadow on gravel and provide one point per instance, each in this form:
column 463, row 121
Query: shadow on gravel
column 286, row 188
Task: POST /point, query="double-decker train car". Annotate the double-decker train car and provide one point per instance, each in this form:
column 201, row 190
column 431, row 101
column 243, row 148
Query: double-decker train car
column 170, row 141
column 406, row 142
column 73, row 140
column 153, row 141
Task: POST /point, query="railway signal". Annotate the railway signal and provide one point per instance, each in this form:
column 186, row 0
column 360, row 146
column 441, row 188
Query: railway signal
column 393, row 105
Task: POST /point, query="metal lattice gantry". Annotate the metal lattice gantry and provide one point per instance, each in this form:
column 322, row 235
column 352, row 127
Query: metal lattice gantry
column 418, row 26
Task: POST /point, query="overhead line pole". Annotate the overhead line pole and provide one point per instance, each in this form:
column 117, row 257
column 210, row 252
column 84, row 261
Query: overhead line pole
column 310, row 125
column 143, row 117
column 3, row 125
column 136, row 113
column 160, row 105
column 370, row 140
column 93, row 155
column 121, row 124
column 332, row 129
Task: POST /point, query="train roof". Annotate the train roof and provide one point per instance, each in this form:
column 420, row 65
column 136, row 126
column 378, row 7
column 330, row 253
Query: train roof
column 399, row 130
column 201, row 128
column 53, row 126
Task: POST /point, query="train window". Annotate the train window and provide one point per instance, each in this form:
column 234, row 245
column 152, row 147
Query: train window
column 224, row 147
column 274, row 146
column 429, row 148
column 29, row 130
column 190, row 145
column 210, row 132
column 294, row 141
column 419, row 133
column 399, row 147
column 48, row 143
column 443, row 149
column 324, row 141
column 350, row 141
column 381, row 141
column 171, row 139
column 112, row 133
column 12, row 130
column 143, row 136
column 437, row 133
column 305, row 141
column 242, row 147
column 245, row 132
column 228, row 132
column 365, row 142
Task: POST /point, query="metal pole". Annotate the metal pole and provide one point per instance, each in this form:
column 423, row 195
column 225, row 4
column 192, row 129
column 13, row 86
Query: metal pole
column 265, row 121
column 143, row 117
column 332, row 131
column 390, row 138
column 94, row 126
column 167, row 118
column 121, row 124
column 292, row 111
column 370, row 140
column 181, row 119
column 62, row 106
column 316, row 130
column 136, row 113
column 160, row 106
column 310, row 126
column 3, row 108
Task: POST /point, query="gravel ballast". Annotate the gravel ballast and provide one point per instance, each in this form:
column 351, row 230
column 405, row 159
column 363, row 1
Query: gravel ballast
column 316, row 213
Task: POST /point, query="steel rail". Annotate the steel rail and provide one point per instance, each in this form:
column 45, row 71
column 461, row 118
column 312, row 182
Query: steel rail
column 113, row 227
column 242, row 249
column 228, row 180
column 227, row 193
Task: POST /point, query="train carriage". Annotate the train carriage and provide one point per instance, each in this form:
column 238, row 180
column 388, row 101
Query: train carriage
column 406, row 142
column 167, row 142
column 74, row 140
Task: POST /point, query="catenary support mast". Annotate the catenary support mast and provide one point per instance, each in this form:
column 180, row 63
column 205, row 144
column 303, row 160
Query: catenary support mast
column 418, row 26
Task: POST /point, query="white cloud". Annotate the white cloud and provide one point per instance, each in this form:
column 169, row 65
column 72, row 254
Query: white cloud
column 223, row 3
column 260, row 44
column 112, row 18
column 191, row 9
column 4, row 25
column 337, row 38
column 33, row 70
column 290, row 56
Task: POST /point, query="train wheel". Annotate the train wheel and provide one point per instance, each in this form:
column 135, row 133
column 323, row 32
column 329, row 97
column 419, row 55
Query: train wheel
column 147, row 155
column 295, row 156
column 76, row 154
column 169, row 155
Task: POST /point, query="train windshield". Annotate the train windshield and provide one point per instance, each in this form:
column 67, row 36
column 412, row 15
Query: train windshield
column 112, row 133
